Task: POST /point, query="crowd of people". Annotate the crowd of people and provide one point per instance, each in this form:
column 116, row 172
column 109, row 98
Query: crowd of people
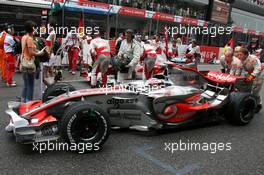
column 98, row 59
column 175, row 7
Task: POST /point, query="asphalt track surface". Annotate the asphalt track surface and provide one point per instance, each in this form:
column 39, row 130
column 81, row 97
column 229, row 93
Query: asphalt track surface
column 132, row 152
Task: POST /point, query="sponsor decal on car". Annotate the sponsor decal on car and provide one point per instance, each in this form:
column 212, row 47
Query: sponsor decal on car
column 221, row 76
column 117, row 102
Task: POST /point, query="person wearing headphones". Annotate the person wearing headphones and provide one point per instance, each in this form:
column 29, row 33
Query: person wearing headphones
column 10, row 56
column 100, row 50
column 128, row 56
column 2, row 54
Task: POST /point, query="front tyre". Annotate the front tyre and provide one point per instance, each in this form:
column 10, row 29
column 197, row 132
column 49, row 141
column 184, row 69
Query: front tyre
column 85, row 123
column 241, row 108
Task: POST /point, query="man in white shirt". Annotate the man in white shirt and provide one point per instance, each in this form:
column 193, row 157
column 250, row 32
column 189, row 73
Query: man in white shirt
column 87, row 57
column 9, row 55
column 128, row 55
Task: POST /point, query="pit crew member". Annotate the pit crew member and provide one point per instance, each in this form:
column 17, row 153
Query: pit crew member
column 252, row 70
column 230, row 64
column 100, row 50
column 72, row 47
column 149, row 59
column 9, row 56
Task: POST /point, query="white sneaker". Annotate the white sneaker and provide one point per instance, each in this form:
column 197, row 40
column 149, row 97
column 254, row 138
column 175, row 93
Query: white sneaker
column 73, row 73
column 9, row 127
column 13, row 84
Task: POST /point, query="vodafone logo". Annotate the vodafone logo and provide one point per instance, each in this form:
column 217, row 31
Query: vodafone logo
column 221, row 76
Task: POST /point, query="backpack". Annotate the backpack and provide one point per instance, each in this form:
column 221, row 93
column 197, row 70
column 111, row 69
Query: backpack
column 56, row 46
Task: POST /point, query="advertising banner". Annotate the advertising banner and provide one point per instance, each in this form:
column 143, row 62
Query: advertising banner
column 163, row 17
column 209, row 53
column 190, row 21
column 132, row 11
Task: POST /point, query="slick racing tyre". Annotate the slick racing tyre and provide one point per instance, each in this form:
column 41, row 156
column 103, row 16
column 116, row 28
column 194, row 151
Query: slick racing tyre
column 241, row 108
column 85, row 123
column 56, row 90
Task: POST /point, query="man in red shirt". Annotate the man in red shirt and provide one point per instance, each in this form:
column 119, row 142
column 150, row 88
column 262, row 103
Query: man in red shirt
column 2, row 55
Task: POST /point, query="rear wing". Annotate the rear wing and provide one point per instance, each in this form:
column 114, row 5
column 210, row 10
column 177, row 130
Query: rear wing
column 190, row 77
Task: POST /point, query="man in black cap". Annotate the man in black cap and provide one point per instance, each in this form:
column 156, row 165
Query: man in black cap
column 128, row 56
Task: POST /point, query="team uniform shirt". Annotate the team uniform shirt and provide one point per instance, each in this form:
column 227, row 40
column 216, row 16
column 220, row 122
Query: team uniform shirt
column 252, row 65
column 173, row 51
column 100, row 46
column 101, row 49
column 193, row 50
column 9, row 43
column 87, row 58
column 160, row 50
column 49, row 41
column 72, row 40
column 150, row 50
column 159, row 46
column 130, row 50
column 233, row 68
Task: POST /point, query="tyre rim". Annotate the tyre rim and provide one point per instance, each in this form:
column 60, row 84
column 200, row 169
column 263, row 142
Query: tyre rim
column 247, row 110
column 86, row 126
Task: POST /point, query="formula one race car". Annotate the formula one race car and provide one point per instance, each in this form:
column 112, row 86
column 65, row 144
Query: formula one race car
column 86, row 116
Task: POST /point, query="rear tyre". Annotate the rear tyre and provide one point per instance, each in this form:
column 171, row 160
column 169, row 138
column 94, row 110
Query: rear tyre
column 85, row 123
column 241, row 108
column 56, row 90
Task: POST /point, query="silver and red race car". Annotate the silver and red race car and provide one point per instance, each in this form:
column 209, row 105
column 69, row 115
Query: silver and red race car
column 185, row 97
